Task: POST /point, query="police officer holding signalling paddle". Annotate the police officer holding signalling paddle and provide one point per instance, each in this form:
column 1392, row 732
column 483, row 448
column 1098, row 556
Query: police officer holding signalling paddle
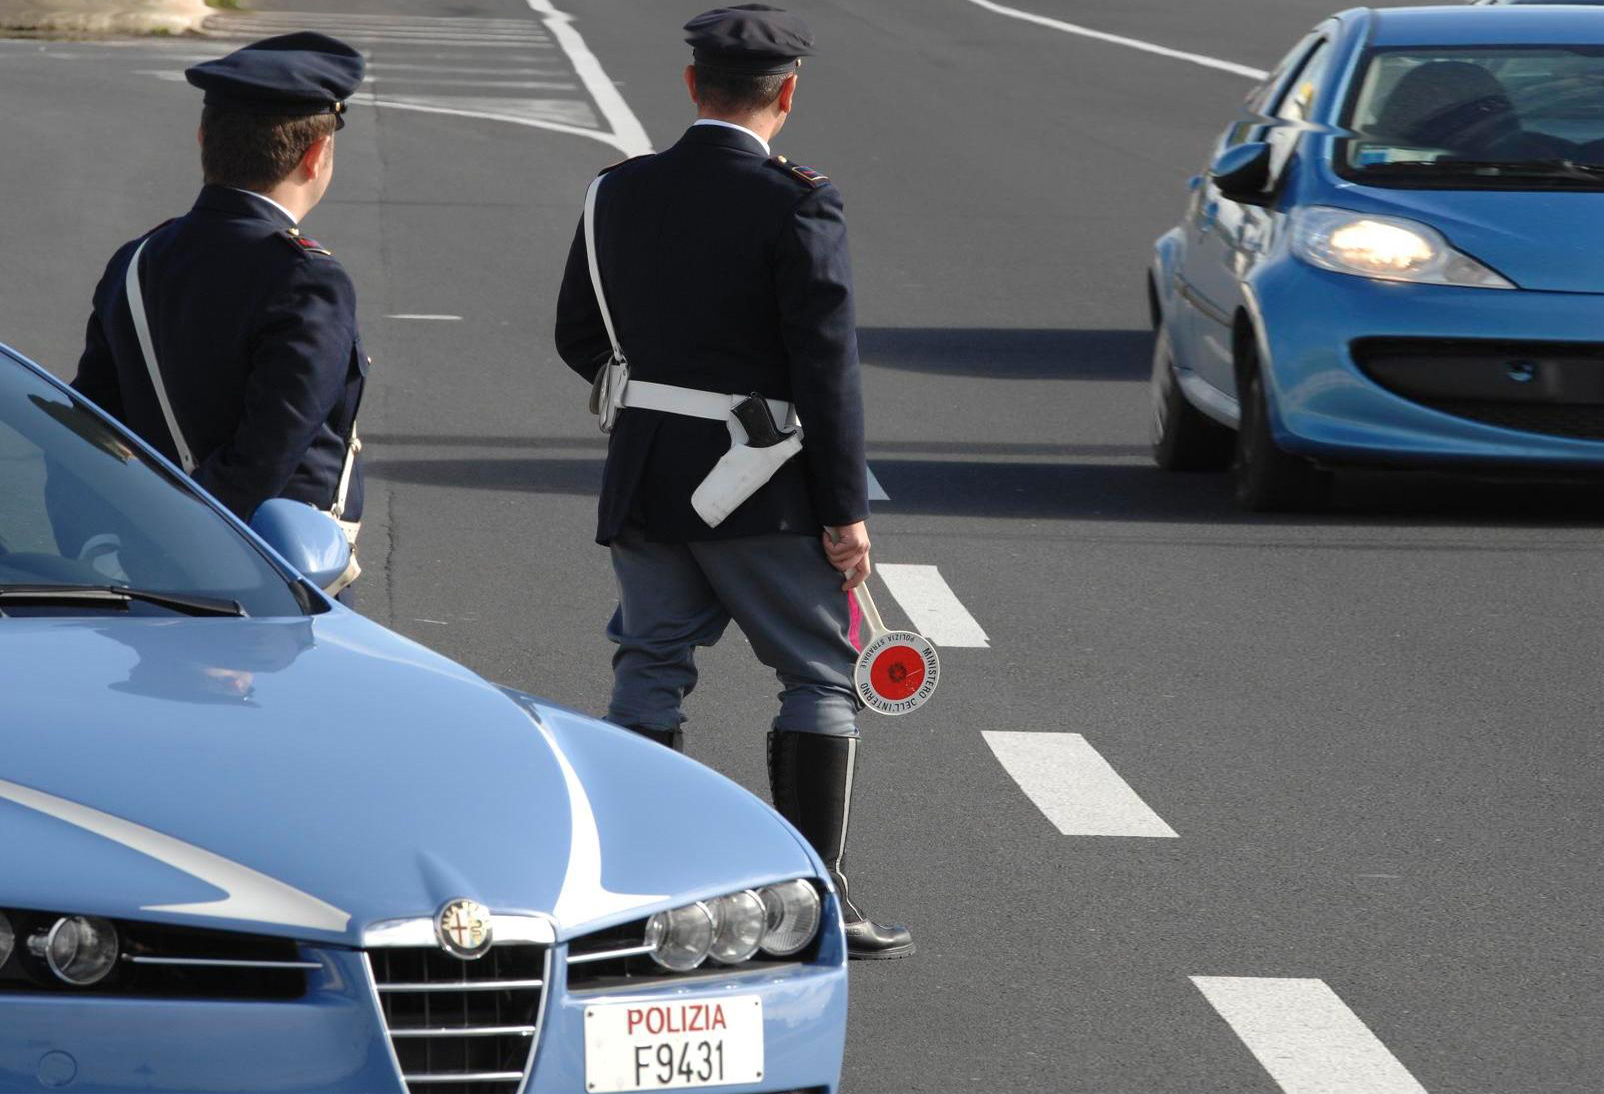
column 708, row 298
column 226, row 338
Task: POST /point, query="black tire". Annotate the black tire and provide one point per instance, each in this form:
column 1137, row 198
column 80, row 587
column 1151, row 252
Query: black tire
column 1269, row 479
column 1183, row 437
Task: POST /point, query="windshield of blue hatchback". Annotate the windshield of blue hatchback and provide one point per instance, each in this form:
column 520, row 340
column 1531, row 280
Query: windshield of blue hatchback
column 80, row 505
column 1508, row 117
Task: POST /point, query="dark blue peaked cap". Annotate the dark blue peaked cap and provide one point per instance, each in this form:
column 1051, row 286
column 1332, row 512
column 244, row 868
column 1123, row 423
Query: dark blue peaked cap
column 752, row 38
column 292, row 75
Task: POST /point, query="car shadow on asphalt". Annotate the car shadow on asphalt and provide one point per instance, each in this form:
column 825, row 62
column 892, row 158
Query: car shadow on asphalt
column 1067, row 489
column 1137, row 491
column 1007, row 354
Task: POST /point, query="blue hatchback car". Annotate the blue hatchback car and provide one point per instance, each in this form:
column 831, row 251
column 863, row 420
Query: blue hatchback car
column 254, row 841
column 1396, row 257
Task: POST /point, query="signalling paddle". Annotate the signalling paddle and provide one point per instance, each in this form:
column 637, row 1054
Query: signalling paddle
column 897, row 671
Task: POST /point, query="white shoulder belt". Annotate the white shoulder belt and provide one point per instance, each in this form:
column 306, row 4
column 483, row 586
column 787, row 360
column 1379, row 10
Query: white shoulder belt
column 615, row 389
column 741, row 471
column 353, row 444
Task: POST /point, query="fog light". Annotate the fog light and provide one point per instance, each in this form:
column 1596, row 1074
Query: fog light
column 79, row 949
column 739, row 921
column 792, row 917
column 7, row 939
column 680, row 937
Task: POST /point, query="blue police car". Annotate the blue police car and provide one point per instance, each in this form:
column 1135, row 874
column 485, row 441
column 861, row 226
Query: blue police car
column 1396, row 257
column 257, row 842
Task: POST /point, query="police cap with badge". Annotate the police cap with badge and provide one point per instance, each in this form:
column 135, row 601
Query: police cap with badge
column 291, row 75
column 755, row 39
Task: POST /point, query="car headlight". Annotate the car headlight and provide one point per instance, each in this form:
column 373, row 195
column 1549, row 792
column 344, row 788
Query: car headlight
column 739, row 923
column 778, row 919
column 1385, row 248
column 792, row 920
column 80, row 949
column 680, row 938
column 8, row 939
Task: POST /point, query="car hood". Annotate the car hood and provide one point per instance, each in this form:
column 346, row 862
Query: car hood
column 311, row 777
column 1551, row 240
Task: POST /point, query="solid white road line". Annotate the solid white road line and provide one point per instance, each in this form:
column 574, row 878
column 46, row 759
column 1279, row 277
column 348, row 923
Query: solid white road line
column 628, row 133
column 420, row 315
column 932, row 605
column 1074, row 786
column 1121, row 40
column 876, row 491
column 1306, row 1037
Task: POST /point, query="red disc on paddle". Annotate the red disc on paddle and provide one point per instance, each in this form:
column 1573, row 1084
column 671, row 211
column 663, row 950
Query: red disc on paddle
column 897, row 671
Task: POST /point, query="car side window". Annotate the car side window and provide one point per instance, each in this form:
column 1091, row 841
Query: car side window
column 1296, row 105
column 1253, row 108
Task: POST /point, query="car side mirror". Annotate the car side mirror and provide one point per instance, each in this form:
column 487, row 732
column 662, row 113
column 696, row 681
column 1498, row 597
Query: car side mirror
column 1242, row 173
column 309, row 540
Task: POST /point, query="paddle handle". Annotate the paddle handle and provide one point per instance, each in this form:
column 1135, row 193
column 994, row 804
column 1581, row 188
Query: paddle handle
column 871, row 614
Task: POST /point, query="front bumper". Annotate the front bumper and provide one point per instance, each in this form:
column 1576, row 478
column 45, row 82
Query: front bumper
column 1325, row 407
column 333, row 1039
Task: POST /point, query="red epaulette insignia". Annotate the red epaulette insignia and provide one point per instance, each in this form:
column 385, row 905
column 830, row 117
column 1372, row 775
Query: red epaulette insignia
column 305, row 243
column 807, row 175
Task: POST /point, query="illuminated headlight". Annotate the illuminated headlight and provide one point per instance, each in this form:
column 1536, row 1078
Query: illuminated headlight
column 739, row 923
column 1385, row 248
column 680, row 938
column 792, row 917
column 8, row 940
column 79, row 949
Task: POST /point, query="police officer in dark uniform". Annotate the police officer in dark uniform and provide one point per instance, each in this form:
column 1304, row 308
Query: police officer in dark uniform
column 234, row 347
column 725, row 273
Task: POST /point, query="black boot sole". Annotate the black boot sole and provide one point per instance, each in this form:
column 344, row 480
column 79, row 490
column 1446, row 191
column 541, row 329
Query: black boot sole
column 882, row 955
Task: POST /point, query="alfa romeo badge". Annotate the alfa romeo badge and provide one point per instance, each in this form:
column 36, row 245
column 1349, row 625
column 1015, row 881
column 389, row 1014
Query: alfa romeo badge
column 463, row 927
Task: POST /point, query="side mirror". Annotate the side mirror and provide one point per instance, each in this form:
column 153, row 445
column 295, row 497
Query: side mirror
column 308, row 540
column 1242, row 173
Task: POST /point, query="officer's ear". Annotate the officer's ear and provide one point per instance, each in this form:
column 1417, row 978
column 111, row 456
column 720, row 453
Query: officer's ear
column 318, row 158
column 787, row 90
column 690, row 83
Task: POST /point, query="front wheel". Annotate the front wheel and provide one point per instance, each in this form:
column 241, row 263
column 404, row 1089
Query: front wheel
column 1269, row 479
column 1183, row 437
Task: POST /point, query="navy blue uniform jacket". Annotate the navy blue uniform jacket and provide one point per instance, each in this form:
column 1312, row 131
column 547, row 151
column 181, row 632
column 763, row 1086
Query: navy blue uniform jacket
column 724, row 271
column 257, row 341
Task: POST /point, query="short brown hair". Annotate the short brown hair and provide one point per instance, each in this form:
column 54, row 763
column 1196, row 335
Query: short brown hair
column 256, row 151
column 730, row 92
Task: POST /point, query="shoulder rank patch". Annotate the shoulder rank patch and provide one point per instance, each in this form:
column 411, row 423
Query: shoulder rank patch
column 305, row 243
column 806, row 175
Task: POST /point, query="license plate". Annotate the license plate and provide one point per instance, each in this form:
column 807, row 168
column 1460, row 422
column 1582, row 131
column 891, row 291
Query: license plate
column 676, row 1044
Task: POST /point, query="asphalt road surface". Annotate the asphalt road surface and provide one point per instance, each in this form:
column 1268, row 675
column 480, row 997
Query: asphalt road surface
column 1208, row 803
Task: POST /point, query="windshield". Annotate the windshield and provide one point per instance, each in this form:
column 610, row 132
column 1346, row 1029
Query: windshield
column 1508, row 117
column 80, row 506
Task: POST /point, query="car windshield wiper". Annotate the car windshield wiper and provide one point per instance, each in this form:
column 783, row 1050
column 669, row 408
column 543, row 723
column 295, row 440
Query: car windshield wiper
column 96, row 595
column 1549, row 168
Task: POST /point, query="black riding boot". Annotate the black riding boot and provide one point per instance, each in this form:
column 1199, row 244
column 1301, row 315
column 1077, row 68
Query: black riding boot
column 810, row 775
column 668, row 738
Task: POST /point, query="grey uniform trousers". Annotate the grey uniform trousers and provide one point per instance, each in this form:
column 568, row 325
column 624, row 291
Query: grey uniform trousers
column 779, row 588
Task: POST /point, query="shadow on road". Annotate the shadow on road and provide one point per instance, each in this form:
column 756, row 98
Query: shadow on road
column 533, row 476
column 1091, row 492
column 1010, row 354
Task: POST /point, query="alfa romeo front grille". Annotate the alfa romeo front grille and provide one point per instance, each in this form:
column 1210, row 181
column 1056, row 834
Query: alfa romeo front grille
column 462, row 1026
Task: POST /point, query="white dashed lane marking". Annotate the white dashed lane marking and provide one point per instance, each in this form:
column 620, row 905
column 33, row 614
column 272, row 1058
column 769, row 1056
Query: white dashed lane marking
column 414, row 315
column 1073, row 786
column 1306, row 1037
column 1120, row 40
column 932, row 605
